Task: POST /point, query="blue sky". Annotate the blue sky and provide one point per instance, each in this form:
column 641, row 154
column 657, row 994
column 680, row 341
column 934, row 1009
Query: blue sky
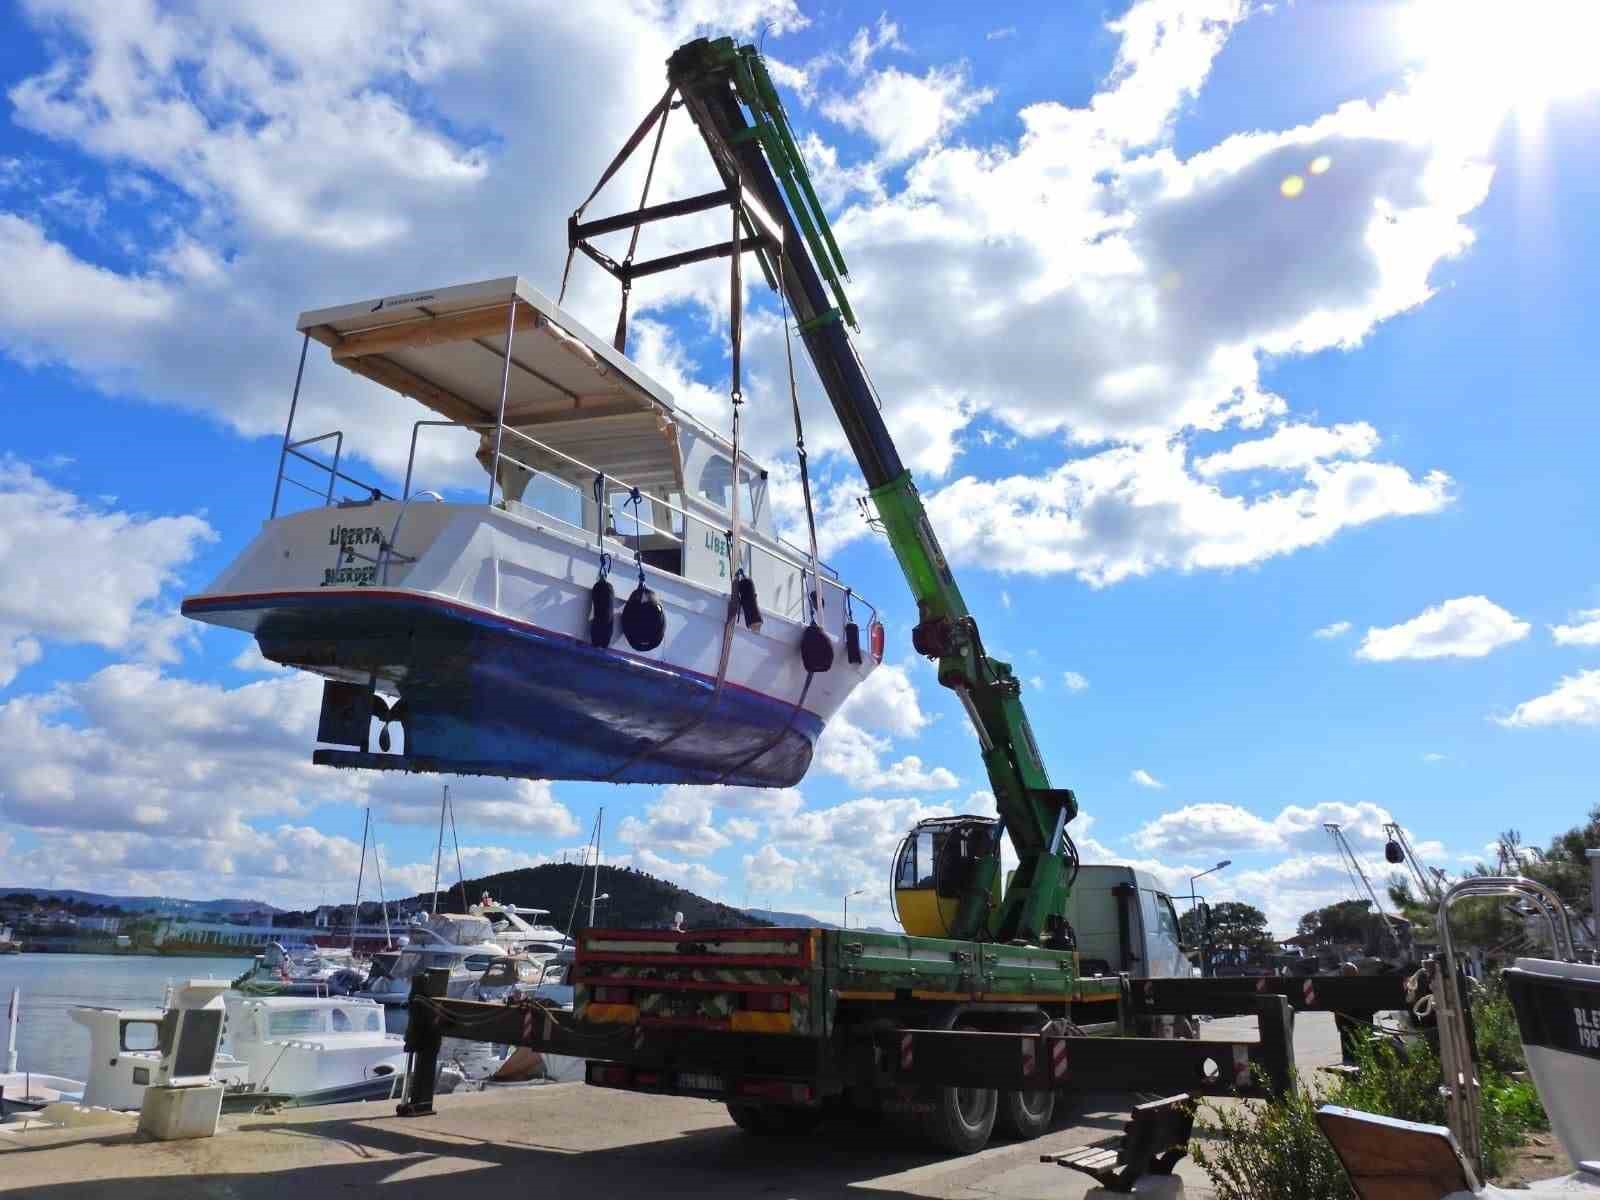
column 1205, row 330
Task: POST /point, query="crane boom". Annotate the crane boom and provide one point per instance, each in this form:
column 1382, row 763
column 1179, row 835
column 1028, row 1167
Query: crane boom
column 735, row 106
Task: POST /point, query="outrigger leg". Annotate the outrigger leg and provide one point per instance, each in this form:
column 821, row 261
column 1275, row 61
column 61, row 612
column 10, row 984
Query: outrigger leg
column 423, row 1040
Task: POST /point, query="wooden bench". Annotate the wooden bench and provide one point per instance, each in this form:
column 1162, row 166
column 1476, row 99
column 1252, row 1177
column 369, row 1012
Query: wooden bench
column 1155, row 1138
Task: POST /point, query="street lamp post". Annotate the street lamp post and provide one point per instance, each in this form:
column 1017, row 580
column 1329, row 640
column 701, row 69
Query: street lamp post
column 593, row 900
column 1205, row 959
column 847, row 896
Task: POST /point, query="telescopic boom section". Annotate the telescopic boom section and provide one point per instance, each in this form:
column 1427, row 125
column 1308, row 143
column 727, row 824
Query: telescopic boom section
column 730, row 96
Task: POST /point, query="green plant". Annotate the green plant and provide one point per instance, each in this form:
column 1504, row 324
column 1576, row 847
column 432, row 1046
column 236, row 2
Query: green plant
column 1494, row 1024
column 1406, row 1081
column 1270, row 1151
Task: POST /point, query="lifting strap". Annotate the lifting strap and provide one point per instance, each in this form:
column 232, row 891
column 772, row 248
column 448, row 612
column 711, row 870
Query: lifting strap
column 658, row 112
column 735, row 569
column 813, row 597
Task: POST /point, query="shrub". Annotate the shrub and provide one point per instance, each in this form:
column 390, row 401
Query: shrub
column 1270, row 1151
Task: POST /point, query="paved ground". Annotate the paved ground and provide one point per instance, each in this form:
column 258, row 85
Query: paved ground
column 566, row 1140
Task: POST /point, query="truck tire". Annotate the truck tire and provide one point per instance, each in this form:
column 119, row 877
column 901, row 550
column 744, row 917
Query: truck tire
column 962, row 1118
column 1023, row 1116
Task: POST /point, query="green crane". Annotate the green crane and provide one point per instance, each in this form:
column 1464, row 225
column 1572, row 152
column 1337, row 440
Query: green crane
column 728, row 92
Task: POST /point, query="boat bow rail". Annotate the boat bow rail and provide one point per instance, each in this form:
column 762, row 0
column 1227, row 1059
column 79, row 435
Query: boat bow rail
column 489, row 636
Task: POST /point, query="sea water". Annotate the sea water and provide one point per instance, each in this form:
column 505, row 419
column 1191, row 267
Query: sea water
column 48, row 1039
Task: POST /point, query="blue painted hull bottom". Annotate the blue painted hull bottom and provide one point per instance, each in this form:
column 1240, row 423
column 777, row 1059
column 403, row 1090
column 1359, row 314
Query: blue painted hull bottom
column 488, row 696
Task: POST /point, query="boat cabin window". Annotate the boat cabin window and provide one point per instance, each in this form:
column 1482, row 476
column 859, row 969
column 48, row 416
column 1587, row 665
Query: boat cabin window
column 295, row 1021
column 141, row 1035
column 502, row 972
column 339, row 1021
column 478, row 963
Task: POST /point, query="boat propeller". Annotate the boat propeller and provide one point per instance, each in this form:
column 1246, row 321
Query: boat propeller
column 388, row 714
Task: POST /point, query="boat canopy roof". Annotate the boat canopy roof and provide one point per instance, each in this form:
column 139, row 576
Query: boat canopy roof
column 446, row 348
column 458, row 930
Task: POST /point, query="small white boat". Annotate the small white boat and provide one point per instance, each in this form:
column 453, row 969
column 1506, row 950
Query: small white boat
column 483, row 617
column 316, row 1050
column 299, row 970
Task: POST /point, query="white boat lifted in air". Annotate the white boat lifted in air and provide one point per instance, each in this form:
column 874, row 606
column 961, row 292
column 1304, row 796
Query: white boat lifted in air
column 619, row 607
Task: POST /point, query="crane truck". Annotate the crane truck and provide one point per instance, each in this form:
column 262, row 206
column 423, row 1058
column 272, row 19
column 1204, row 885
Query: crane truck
column 966, row 1022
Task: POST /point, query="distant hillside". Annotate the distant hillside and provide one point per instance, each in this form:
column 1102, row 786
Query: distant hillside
column 773, row 916
column 638, row 900
column 163, row 904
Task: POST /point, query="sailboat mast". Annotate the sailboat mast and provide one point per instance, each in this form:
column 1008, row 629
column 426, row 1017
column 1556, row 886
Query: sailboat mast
column 438, row 854
column 461, row 877
column 594, row 884
column 383, row 901
column 355, row 915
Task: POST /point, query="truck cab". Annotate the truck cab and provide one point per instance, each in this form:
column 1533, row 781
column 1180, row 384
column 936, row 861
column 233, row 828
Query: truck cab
column 1125, row 922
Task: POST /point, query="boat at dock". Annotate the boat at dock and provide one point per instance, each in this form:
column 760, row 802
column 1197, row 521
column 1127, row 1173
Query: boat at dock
column 620, row 607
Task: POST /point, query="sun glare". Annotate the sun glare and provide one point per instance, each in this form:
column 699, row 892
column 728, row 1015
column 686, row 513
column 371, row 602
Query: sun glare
column 1493, row 58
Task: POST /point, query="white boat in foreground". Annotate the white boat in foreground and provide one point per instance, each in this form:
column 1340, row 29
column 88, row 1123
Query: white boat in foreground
column 475, row 630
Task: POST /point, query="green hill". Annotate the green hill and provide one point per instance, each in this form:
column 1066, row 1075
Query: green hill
column 638, row 900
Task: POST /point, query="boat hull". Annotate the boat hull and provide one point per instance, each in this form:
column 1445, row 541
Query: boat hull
column 483, row 634
column 1558, row 1015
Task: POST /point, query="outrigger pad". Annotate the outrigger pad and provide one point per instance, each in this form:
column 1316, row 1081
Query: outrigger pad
column 346, row 718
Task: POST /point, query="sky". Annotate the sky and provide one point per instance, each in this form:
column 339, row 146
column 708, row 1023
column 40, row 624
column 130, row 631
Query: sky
column 1242, row 352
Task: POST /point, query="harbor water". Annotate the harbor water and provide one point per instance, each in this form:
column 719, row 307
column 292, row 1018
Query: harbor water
column 48, row 1039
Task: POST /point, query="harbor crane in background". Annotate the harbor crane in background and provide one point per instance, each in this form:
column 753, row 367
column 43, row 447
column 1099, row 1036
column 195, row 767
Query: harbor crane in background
column 1430, row 881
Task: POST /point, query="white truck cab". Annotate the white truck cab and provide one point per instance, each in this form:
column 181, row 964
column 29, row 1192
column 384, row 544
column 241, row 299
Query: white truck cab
column 1125, row 921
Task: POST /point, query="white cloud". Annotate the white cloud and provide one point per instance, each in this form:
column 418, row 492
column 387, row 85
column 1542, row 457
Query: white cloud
column 905, row 114
column 884, row 708
column 1584, row 630
column 697, row 877
column 1336, row 630
column 1133, row 510
column 1005, row 31
column 1292, row 447
column 77, row 572
column 1073, row 681
column 1434, row 756
column 1573, row 701
column 681, row 821
column 131, row 749
column 769, row 870
column 1145, row 780
column 1466, row 627
column 1229, row 827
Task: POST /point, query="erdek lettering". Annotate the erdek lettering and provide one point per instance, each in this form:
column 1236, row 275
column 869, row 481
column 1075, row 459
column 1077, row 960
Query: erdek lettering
column 348, row 576
column 355, row 535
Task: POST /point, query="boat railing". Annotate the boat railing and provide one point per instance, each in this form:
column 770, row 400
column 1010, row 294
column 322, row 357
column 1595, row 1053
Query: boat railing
column 297, row 450
column 776, row 549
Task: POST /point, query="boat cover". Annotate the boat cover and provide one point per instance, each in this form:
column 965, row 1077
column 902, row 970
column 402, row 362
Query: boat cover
column 446, row 348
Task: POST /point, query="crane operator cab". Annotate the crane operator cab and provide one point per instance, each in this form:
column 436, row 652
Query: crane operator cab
column 936, row 866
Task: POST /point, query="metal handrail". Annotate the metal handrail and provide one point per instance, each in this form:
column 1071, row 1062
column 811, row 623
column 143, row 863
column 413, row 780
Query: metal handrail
column 1545, row 898
column 293, row 449
column 777, row 555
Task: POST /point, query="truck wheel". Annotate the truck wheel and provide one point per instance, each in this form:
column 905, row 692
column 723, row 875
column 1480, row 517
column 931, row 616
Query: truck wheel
column 962, row 1118
column 1023, row 1116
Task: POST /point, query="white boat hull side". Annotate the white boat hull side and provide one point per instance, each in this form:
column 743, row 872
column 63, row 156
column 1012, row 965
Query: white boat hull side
column 485, row 635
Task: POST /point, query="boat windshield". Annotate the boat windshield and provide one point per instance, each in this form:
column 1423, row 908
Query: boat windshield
column 502, row 972
column 461, row 931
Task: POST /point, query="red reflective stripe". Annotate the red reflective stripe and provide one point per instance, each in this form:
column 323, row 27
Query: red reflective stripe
column 689, row 960
column 690, row 985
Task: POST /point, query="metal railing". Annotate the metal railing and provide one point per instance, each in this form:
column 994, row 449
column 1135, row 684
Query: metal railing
column 758, row 542
column 331, row 469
